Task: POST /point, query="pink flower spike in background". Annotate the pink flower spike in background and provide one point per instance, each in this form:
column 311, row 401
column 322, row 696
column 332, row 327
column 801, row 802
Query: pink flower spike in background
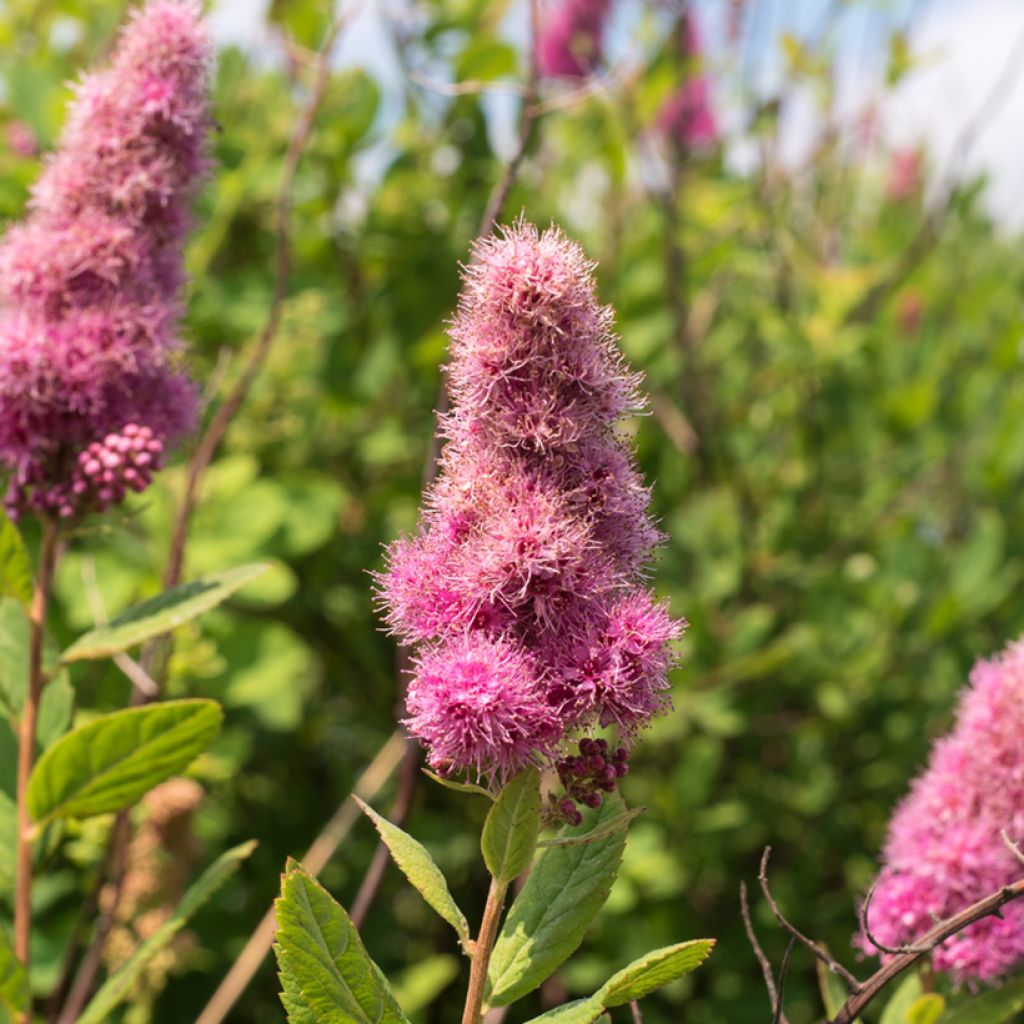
column 687, row 117
column 524, row 586
column 90, row 391
column 570, row 41
column 944, row 849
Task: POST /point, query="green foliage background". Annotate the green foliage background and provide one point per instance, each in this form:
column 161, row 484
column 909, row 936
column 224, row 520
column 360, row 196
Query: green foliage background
column 845, row 534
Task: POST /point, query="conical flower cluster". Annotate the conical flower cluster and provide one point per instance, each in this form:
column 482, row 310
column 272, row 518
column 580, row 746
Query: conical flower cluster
column 944, row 849
column 687, row 117
column 524, row 588
column 90, row 282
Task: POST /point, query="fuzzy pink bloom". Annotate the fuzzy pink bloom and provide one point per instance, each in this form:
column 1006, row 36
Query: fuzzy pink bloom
column 479, row 702
column 944, row 850
column 687, row 117
column 536, row 533
column 570, row 40
column 90, row 282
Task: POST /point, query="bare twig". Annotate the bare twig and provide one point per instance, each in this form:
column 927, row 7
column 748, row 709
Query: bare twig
column 868, row 989
column 762, row 958
column 252, row 956
column 1011, row 845
column 822, row 954
column 777, row 1015
column 866, row 928
column 469, row 87
column 634, row 1009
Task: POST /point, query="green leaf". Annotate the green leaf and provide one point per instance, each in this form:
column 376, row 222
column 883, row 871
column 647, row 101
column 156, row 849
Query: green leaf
column 926, row 1010
column 995, row 1007
column 653, row 971
column 459, row 787
column 161, row 614
column 15, row 566
column 563, row 893
column 14, row 990
column 419, row 984
column 581, row 1011
column 833, row 991
column 326, row 974
column 906, row 994
column 111, row 762
column 418, row 866
column 616, row 824
column 123, row 981
column 510, row 832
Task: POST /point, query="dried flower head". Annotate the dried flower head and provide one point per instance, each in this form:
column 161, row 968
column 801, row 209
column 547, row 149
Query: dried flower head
column 944, row 849
column 89, row 283
column 535, row 536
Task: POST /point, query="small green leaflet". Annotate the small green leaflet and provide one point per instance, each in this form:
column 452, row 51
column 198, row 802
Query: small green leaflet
column 418, row 866
column 639, row 979
column 833, row 991
column 653, row 971
column 14, row 991
column 926, row 1010
column 15, row 566
column 616, row 824
column 120, row 984
column 907, row 993
column 326, row 974
column 510, row 831
column 111, row 762
column 1000, row 1006
column 162, row 613
column 458, row 787
column 562, row 895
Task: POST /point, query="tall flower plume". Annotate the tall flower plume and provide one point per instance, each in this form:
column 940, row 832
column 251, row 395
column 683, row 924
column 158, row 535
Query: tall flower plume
column 90, row 393
column 944, row 849
column 570, row 41
column 523, row 589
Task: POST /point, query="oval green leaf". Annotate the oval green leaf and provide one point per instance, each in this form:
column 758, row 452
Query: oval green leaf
column 326, row 974
column 111, row 762
column 418, row 866
column 999, row 1006
column 161, row 614
column 510, row 832
column 14, row 990
column 582, row 1011
column 653, row 971
column 907, row 993
column 563, row 893
column 15, row 565
column 926, row 1010
column 122, row 982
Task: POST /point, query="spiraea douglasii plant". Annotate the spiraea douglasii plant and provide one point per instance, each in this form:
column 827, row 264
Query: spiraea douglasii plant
column 548, row 684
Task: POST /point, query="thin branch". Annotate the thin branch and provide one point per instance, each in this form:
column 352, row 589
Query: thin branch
column 369, row 784
column 1011, row 845
column 866, row 928
column 823, row 955
column 868, row 989
column 777, row 1015
column 762, row 957
column 469, row 87
column 634, row 1009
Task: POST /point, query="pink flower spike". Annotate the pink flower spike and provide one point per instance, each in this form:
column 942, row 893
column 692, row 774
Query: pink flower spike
column 944, row 849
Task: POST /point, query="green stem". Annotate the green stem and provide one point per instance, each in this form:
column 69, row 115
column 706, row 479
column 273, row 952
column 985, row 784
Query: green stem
column 482, row 951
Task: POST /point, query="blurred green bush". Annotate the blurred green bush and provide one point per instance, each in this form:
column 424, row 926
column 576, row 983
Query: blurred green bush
column 835, row 436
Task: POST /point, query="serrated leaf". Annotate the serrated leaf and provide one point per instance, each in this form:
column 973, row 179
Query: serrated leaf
column 161, row 614
column 616, row 824
column 907, row 993
column 122, row 982
column 14, row 990
column 653, row 971
column 582, row 1011
column 418, row 866
column 510, row 832
column 459, row 787
column 15, row 565
column 111, row 762
column 563, row 893
column 996, row 1007
column 326, row 973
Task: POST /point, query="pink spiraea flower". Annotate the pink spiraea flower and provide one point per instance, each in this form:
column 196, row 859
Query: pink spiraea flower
column 687, row 118
column 944, row 849
column 90, row 393
column 534, row 538
column 570, row 43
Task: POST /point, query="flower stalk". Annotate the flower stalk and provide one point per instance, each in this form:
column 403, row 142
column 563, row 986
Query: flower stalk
column 27, row 740
column 482, row 949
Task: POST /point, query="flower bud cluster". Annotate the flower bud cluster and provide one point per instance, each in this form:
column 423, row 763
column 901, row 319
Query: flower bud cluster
column 523, row 591
column 90, row 282
column 585, row 777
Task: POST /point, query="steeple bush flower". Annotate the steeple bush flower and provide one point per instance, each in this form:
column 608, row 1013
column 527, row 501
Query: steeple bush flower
column 570, row 42
column 90, row 390
column 524, row 586
column 944, row 849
